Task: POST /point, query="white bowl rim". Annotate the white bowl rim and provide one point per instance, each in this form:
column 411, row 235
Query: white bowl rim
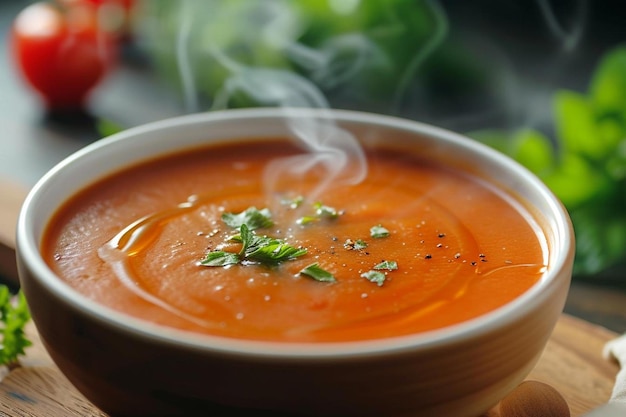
column 27, row 248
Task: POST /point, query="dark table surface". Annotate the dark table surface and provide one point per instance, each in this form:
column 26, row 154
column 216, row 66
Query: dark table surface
column 31, row 143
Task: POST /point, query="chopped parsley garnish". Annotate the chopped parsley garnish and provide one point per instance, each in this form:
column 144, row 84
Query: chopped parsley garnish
column 220, row 258
column 378, row 231
column 252, row 217
column 321, row 212
column 317, row 273
column 254, row 248
column 325, row 212
column 303, row 221
column 387, row 265
column 266, row 250
column 376, row 277
column 14, row 315
column 355, row 244
column 293, row 203
column 360, row 244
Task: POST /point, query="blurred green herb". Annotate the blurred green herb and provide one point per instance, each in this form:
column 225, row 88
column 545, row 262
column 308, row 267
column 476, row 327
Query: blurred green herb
column 321, row 212
column 14, row 315
column 365, row 52
column 376, row 277
column 358, row 244
column 378, row 232
column 107, row 127
column 326, row 212
column 387, row 265
column 292, row 203
column 585, row 165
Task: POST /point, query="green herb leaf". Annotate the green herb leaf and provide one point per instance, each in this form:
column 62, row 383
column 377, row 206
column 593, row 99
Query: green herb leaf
column 388, row 265
column 529, row 147
column 293, row 203
column 266, row 250
column 261, row 249
column 325, row 212
column 220, row 258
column 576, row 126
column 321, row 212
column 247, row 239
column 303, row 221
column 378, row 232
column 275, row 252
column 13, row 317
column 376, row 277
column 360, row 244
column 608, row 85
column 355, row 244
column 576, row 181
column 534, row 150
column 317, row 273
column 252, row 217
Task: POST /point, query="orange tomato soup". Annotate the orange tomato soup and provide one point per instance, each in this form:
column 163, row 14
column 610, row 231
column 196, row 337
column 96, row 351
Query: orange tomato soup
column 135, row 242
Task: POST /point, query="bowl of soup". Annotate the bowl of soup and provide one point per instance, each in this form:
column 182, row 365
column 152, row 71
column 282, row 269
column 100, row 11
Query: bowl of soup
column 293, row 262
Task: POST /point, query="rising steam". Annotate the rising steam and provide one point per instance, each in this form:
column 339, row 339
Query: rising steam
column 569, row 38
column 328, row 145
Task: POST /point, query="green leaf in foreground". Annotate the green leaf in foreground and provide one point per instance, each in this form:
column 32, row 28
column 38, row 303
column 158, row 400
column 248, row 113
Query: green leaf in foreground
column 317, row 273
column 376, row 277
column 252, row 217
column 13, row 318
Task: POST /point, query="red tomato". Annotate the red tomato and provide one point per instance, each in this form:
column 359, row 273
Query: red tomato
column 62, row 52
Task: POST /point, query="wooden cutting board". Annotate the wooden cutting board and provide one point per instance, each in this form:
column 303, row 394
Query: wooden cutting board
column 11, row 197
column 572, row 361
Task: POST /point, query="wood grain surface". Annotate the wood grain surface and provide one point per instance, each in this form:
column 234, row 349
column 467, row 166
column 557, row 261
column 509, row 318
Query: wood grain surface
column 11, row 197
column 572, row 362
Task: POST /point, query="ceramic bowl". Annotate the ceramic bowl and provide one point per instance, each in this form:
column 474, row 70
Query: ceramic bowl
column 127, row 366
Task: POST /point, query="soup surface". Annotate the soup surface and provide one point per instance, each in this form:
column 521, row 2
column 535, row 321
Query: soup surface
column 202, row 241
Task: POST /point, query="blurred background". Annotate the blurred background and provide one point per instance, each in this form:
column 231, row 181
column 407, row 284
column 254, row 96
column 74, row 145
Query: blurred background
column 543, row 81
